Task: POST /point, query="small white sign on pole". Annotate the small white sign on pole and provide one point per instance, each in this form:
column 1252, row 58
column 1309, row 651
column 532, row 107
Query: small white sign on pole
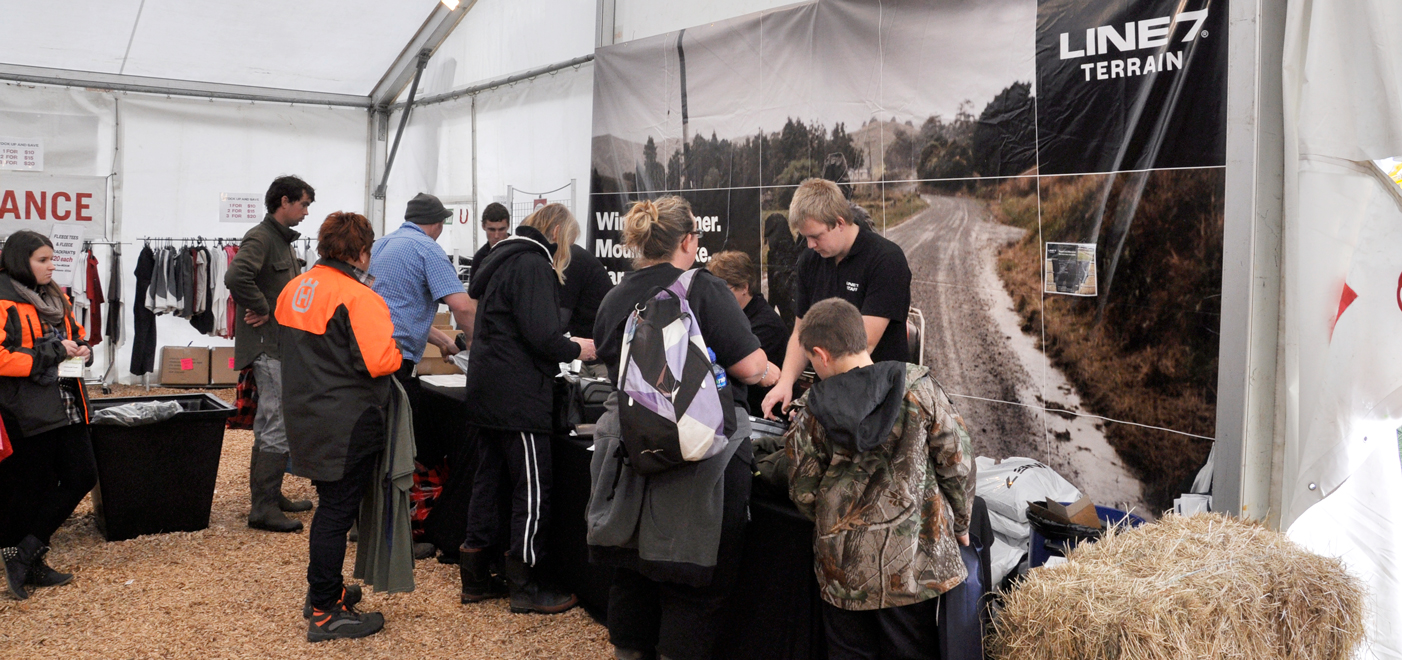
column 68, row 242
column 240, row 207
column 22, row 154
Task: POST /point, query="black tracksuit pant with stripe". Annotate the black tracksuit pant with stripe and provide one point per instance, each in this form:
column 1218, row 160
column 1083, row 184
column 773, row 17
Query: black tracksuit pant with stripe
column 518, row 463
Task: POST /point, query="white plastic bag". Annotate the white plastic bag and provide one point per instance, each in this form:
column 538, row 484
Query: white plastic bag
column 1008, row 486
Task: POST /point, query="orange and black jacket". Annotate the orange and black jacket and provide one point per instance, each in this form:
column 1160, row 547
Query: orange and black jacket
column 26, row 405
column 338, row 354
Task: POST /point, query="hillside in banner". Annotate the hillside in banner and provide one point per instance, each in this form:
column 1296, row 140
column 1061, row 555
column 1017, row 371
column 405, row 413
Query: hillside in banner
column 1144, row 350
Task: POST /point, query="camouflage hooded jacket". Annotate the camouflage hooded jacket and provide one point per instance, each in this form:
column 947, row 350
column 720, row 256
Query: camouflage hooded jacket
column 880, row 460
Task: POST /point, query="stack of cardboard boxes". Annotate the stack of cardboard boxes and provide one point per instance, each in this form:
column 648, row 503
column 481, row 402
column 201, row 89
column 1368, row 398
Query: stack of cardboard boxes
column 432, row 362
column 197, row 366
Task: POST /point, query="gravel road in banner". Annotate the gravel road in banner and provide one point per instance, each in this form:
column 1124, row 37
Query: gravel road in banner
column 1003, row 385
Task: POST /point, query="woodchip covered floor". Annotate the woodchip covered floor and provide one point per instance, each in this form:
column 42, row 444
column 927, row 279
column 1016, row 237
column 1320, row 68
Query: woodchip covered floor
column 232, row 592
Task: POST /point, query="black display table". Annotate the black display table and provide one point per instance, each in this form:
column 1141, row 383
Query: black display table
column 775, row 611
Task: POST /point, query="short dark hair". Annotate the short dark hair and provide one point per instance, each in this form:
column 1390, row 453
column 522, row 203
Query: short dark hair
column 495, row 212
column 835, row 325
column 287, row 186
column 19, row 247
column 736, row 268
column 344, row 236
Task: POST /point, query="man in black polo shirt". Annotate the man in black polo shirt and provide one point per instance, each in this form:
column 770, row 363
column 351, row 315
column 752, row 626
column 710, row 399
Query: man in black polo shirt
column 849, row 261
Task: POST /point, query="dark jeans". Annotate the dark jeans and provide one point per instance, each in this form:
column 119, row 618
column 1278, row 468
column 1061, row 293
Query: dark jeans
column 681, row 621
column 44, row 480
column 338, row 504
column 519, row 462
column 895, row 633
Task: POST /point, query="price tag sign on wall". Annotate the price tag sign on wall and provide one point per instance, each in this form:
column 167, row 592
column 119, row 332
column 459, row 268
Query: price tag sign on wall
column 22, row 154
column 68, row 242
column 240, row 207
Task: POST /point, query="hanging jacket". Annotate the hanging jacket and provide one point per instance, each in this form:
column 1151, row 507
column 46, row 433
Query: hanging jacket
column 24, row 353
column 338, row 355
column 384, row 555
column 518, row 342
column 143, row 317
column 880, row 460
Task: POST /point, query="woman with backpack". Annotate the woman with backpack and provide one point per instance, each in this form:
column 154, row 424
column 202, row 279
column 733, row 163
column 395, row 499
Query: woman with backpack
column 518, row 343
column 46, row 417
column 674, row 534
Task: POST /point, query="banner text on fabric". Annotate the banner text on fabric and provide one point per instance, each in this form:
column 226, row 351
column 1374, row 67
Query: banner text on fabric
column 38, row 202
column 21, row 154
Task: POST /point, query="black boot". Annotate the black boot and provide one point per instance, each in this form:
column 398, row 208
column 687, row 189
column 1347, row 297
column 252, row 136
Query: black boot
column 18, row 560
column 478, row 582
column 292, row 506
column 265, row 472
column 529, row 593
column 43, row 575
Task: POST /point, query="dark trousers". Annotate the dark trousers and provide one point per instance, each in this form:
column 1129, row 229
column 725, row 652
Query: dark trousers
column 44, row 480
column 338, row 504
column 681, row 621
column 518, row 461
column 895, row 633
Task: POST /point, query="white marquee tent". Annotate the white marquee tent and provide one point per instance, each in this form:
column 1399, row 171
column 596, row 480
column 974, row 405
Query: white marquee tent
column 177, row 102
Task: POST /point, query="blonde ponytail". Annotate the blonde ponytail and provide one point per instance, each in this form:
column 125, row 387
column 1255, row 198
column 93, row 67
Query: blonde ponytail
column 653, row 230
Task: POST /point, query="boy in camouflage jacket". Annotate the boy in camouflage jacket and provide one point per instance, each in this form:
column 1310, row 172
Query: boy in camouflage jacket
column 879, row 461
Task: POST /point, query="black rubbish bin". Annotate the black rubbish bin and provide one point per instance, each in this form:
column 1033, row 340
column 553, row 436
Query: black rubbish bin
column 159, row 477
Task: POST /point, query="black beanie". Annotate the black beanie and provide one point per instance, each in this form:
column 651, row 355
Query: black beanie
column 425, row 209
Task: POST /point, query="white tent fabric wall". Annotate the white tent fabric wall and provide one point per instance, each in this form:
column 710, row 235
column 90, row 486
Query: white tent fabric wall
column 178, row 155
column 1342, row 368
column 78, row 126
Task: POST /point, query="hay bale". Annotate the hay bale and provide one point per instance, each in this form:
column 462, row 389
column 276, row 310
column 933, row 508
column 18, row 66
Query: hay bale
column 1207, row 586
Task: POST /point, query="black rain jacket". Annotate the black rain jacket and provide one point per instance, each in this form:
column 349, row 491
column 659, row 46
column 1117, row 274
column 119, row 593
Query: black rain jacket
column 517, row 341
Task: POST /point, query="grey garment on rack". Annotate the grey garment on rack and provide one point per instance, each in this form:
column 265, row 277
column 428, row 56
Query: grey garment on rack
column 114, row 300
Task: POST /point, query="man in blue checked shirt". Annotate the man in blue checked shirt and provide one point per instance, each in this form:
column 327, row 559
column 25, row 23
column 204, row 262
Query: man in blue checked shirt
column 413, row 275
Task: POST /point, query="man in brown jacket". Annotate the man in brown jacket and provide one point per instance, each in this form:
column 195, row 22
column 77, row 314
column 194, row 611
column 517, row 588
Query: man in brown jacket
column 880, row 463
column 265, row 263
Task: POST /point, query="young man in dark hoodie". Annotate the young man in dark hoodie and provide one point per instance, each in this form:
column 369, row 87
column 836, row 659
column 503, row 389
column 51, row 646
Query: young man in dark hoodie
column 880, row 460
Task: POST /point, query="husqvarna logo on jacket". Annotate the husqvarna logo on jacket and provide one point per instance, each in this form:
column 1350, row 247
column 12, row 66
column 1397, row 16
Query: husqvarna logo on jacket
column 302, row 299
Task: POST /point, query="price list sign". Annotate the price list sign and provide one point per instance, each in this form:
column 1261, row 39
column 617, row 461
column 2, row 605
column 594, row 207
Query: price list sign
column 240, row 207
column 22, row 154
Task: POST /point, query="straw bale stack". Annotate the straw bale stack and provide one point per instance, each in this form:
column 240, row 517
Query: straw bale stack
column 1206, row 586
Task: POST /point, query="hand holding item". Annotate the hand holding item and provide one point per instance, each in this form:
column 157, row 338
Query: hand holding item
column 781, row 395
column 586, row 348
column 74, row 350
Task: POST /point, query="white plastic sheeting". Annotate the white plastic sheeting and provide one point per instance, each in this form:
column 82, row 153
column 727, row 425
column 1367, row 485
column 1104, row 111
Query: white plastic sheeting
column 528, row 136
column 178, row 156
column 1342, row 312
column 339, row 46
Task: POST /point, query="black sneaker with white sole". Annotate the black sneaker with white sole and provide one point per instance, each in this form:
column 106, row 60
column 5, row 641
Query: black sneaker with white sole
column 350, row 596
column 342, row 622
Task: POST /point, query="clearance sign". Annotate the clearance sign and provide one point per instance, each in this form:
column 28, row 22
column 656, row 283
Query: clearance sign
column 39, row 202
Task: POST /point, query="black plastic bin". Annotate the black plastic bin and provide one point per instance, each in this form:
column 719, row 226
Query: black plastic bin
column 159, row 477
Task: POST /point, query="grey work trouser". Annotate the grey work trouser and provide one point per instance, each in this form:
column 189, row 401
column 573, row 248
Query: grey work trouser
column 269, row 427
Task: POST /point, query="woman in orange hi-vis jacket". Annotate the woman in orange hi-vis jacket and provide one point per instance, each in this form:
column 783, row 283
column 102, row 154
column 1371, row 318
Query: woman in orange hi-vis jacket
column 46, row 417
column 338, row 354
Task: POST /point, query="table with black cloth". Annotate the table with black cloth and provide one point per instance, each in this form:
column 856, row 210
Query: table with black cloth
column 775, row 610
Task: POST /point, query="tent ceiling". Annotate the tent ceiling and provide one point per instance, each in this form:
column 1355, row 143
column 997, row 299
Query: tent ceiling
column 341, row 47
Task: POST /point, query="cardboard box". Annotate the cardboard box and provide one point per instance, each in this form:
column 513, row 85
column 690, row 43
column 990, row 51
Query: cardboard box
column 432, row 361
column 443, row 320
column 221, row 366
column 184, row 365
column 1081, row 512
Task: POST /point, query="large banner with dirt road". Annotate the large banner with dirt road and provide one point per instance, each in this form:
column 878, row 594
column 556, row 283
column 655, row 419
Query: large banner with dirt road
column 1053, row 170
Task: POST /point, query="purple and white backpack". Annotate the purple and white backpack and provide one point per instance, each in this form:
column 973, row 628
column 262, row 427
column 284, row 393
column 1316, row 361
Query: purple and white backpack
column 671, row 408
